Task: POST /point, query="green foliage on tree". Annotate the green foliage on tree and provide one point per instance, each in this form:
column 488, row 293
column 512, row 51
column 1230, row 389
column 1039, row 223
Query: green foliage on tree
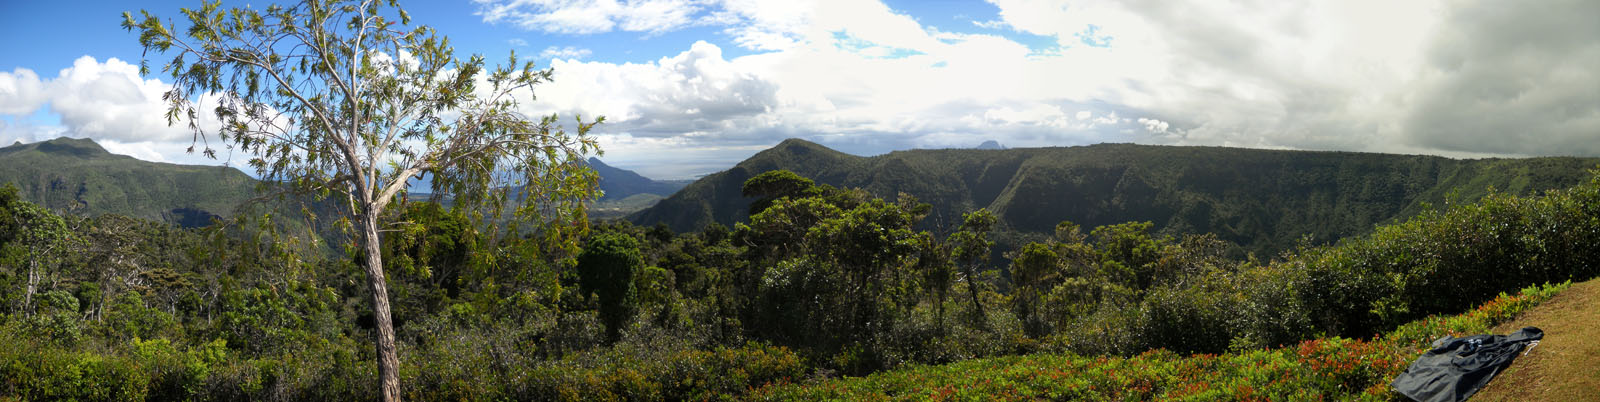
column 607, row 268
column 937, row 275
column 835, row 268
column 349, row 98
column 431, row 253
column 833, row 282
column 1033, row 271
column 768, row 187
column 970, row 249
column 38, row 243
column 1127, row 253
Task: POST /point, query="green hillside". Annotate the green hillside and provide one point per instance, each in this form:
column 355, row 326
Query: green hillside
column 614, row 208
column 80, row 177
column 619, row 184
column 1264, row 200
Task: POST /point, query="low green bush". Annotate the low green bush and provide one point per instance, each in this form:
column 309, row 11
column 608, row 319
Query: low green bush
column 1320, row 369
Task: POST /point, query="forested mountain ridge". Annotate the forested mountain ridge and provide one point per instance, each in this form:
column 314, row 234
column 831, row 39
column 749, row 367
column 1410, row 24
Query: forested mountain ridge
column 625, row 191
column 80, row 177
column 618, row 183
column 1264, row 200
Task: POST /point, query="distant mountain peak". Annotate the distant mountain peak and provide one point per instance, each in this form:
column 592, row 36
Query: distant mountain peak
column 991, row 144
column 77, row 147
column 79, row 176
column 618, row 183
column 798, row 142
column 806, row 150
column 798, row 146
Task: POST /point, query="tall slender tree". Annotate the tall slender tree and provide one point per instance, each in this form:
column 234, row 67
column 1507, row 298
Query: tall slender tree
column 41, row 239
column 607, row 268
column 348, row 98
column 970, row 248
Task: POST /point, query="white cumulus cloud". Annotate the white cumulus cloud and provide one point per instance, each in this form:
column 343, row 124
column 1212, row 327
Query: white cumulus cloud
column 567, row 52
column 590, row 16
column 105, row 101
column 1037, row 114
column 110, row 100
column 752, row 24
column 93, row 99
column 21, row 92
column 695, row 92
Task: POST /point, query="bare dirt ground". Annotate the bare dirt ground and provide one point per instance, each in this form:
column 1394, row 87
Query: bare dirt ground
column 1565, row 366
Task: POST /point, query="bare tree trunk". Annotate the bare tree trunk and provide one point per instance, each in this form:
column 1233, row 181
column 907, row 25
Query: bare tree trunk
column 979, row 318
column 939, row 310
column 33, row 280
column 100, row 305
column 388, row 357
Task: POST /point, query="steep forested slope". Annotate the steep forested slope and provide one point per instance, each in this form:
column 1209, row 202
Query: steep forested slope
column 78, row 176
column 620, row 183
column 1264, row 200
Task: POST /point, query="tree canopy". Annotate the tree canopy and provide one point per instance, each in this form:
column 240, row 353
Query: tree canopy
column 349, row 98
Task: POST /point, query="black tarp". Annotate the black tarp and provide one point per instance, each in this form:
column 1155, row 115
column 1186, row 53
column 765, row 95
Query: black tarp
column 1456, row 368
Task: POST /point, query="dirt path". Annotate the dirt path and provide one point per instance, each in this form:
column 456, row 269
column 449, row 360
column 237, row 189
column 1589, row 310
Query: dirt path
column 1565, row 366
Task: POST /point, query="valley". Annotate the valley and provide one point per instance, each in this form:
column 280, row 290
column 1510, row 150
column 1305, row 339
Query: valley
column 1264, row 201
column 890, row 200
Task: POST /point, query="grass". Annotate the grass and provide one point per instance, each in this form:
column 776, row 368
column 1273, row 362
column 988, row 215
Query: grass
column 1559, row 368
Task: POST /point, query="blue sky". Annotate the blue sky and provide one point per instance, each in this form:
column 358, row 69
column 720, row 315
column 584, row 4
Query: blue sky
column 690, row 87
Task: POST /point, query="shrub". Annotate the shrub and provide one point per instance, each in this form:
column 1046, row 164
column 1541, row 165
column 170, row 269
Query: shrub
column 1444, row 261
column 1319, row 369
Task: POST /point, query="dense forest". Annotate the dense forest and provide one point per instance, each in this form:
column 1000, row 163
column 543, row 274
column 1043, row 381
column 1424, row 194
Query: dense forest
column 818, row 282
column 395, row 221
column 1263, row 201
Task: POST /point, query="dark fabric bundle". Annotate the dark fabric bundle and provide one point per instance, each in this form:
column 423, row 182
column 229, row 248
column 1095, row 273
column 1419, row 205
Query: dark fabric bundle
column 1456, row 368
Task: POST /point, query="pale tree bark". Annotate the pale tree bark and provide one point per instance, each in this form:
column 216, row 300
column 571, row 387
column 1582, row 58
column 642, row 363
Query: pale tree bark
column 33, row 281
column 388, row 357
column 36, row 255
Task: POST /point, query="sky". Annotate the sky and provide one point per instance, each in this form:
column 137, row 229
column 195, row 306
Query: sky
column 691, row 87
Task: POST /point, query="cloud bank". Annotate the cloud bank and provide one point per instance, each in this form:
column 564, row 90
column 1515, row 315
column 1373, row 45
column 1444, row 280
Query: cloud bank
column 106, row 101
column 1449, row 77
